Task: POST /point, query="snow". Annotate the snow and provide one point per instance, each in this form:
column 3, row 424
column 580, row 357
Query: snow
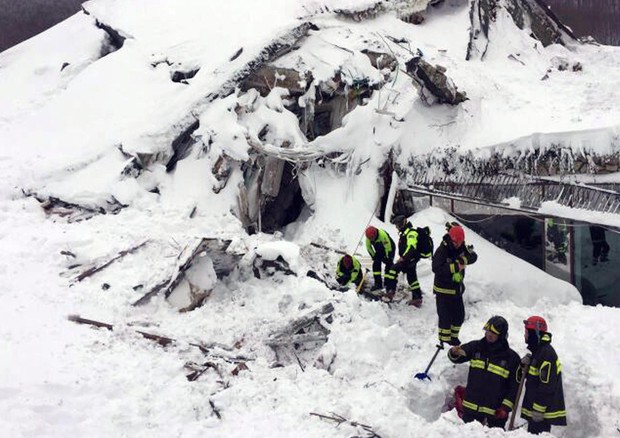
column 66, row 133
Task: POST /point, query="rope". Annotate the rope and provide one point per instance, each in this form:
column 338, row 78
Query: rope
column 534, row 218
column 366, row 226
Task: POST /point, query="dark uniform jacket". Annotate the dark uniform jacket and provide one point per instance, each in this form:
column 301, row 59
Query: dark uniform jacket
column 446, row 263
column 344, row 275
column 382, row 248
column 492, row 380
column 543, row 387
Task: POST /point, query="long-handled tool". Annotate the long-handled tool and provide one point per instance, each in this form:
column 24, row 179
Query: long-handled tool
column 424, row 375
column 513, row 414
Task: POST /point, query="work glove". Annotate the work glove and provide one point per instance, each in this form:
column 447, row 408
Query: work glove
column 470, row 248
column 537, row 417
column 457, row 351
column 526, row 360
column 457, row 277
column 501, row 413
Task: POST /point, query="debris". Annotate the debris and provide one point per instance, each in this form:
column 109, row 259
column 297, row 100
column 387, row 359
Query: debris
column 199, row 370
column 305, row 333
column 434, row 85
column 262, row 267
column 223, row 264
column 319, row 245
column 93, row 270
column 369, row 432
column 241, row 366
column 76, row 212
column 164, row 341
column 236, row 55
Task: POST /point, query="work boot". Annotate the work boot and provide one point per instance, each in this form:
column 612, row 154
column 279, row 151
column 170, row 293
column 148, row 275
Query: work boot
column 454, row 342
column 417, row 302
column 389, row 296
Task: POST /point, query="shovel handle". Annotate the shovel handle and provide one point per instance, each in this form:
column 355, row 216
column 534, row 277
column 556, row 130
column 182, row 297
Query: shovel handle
column 513, row 414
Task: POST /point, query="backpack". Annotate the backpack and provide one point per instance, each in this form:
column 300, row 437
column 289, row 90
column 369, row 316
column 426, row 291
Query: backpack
column 425, row 242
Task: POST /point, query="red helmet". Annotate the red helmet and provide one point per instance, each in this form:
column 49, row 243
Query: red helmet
column 457, row 235
column 371, row 233
column 537, row 323
column 347, row 261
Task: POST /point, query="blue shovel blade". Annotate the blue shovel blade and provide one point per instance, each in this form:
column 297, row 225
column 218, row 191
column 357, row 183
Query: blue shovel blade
column 422, row 376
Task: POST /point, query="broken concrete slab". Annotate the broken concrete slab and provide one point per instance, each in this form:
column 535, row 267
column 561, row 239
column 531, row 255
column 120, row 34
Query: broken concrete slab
column 434, row 85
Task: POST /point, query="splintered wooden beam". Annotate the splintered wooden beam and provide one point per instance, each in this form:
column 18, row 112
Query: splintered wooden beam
column 93, row 270
column 297, row 339
column 164, row 340
column 339, row 419
column 223, row 262
column 161, row 340
column 290, row 334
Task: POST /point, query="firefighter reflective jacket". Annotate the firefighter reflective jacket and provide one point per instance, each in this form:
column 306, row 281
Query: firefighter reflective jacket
column 543, row 385
column 382, row 248
column 448, row 277
column 345, row 276
column 492, row 379
column 408, row 244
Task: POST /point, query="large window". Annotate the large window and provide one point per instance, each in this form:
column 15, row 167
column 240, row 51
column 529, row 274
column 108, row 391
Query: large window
column 596, row 257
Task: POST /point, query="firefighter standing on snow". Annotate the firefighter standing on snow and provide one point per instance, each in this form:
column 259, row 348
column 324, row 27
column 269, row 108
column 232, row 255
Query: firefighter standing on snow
column 449, row 262
column 543, row 403
column 410, row 253
column 381, row 248
column 349, row 270
column 492, row 380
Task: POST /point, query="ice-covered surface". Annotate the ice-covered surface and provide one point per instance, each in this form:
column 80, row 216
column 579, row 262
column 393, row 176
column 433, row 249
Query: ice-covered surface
column 61, row 133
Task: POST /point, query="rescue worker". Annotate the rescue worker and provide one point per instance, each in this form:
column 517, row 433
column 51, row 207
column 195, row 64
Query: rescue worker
column 543, row 403
column 492, row 380
column 449, row 263
column 600, row 247
column 557, row 235
column 409, row 257
column 381, row 248
column 349, row 271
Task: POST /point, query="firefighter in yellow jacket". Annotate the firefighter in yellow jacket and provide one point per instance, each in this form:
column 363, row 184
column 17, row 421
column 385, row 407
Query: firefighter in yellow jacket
column 381, row 248
column 349, row 271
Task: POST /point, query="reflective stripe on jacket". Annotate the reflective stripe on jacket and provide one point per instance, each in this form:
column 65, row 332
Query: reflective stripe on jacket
column 345, row 276
column 492, row 379
column 382, row 248
column 446, row 263
column 543, row 388
column 408, row 243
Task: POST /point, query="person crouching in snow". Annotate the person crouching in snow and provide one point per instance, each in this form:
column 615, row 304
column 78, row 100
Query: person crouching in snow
column 543, row 403
column 381, row 248
column 449, row 262
column 349, row 271
column 492, row 380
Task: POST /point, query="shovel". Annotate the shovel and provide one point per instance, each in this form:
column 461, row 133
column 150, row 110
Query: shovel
column 424, row 375
column 513, row 414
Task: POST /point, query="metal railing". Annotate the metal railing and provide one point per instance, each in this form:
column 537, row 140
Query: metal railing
column 532, row 192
